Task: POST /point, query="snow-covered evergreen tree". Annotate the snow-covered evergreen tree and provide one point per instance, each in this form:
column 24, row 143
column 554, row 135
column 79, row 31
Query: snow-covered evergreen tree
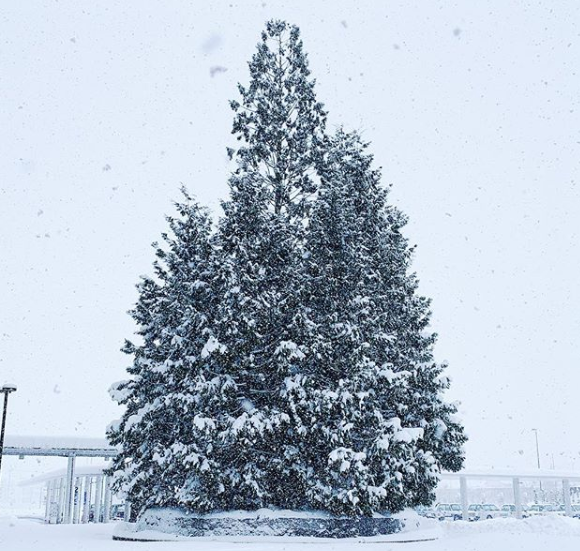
column 404, row 316
column 285, row 359
column 279, row 125
column 173, row 315
column 278, row 120
column 375, row 429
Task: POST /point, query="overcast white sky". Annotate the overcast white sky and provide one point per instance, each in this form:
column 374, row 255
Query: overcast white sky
column 106, row 107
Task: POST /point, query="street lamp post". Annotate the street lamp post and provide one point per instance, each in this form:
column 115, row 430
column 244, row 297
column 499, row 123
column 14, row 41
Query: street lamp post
column 6, row 389
column 537, row 447
column 538, row 458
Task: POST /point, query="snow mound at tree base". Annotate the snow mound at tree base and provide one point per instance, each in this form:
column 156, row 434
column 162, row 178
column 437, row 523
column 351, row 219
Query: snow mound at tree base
column 170, row 524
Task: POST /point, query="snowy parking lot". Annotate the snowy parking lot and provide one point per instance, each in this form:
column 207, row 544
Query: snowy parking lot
column 537, row 534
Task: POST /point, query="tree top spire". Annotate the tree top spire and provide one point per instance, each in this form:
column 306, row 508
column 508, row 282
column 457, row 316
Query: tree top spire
column 278, row 119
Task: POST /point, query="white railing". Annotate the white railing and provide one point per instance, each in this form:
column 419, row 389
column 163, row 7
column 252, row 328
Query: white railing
column 516, row 477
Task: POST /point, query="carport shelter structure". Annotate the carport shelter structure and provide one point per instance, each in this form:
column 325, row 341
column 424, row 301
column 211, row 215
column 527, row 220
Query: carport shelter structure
column 65, row 488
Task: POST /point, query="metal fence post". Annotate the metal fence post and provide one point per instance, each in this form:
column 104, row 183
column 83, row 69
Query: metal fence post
column 98, row 499
column 69, row 490
column 517, row 497
column 108, row 499
column 566, row 492
column 464, row 501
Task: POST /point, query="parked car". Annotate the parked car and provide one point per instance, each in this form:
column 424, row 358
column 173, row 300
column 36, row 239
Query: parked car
column 423, row 511
column 448, row 511
column 482, row 511
column 118, row 511
column 543, row 509
column 509, row 510
column 561, row 510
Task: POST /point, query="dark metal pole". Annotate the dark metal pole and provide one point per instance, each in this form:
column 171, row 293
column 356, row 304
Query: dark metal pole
column 3, row 426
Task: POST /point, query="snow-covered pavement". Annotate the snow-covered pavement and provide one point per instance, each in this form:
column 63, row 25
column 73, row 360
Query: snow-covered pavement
column 537, row 534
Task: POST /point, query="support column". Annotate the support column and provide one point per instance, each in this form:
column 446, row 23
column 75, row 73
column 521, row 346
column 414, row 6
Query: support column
column 87, row 500
column 48, row 500
column 517, row 497
column 53, row 502
column 127, row 513
column 54, row 508
column 47, row 504
column 61, row 500
column 98, row 498
column 566, row 492
column 69, row 490
column 464, row 502
column 108, row 499
column 77, row 499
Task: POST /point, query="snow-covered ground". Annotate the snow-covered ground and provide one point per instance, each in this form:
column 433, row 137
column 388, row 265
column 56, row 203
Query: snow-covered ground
column 534, row 534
